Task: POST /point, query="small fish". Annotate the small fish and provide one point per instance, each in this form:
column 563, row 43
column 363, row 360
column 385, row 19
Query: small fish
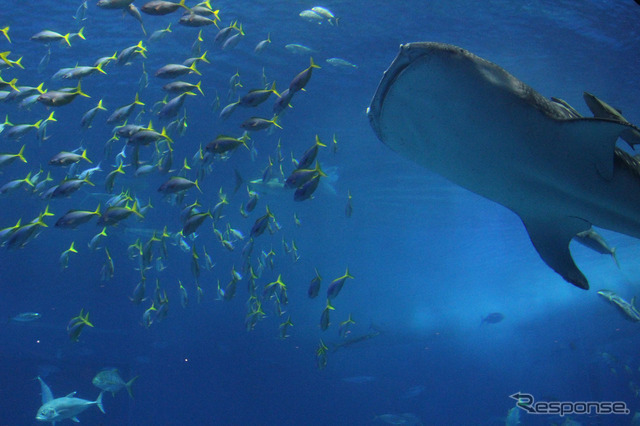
column 257, row 123
column 493, row 318
column 282, row 102
column 110, row 381
column 7, row 159
column 303, row 77
column 223, row 144
column 233, row 41
column 76, row 325
column 260, row 224
column 325, row 13
column 97, row 239
column 193, row 223
column 299, row 177
column 176, row 70
column 311, row 16
column 81, row 12
column 47, row 37
column 324, row 318
column 172, row 107
column 225, row 33
column 115, row 214
column 122, row 113
column 64, row 257
column 348, row 209
column 177, row 184
column 126, row 55
column 299, row 49
column 344, row 328
column 341, row 63
column 159, row 34
column 26, row 317
column 359, row 379
column 261, row 46
column 87, row 117
column 79, row 72
column 161, row 7
column 321, row 355
column 65, row 158
column 44, row 61
column 306, row 190
column 74, row 218
column 179, row 87
column 628, row 309
column 595, row 241
column 284, row 327
column 195, row 20
column 336, row 285
column 15, row 184
column 314, row 285
column 58, row 98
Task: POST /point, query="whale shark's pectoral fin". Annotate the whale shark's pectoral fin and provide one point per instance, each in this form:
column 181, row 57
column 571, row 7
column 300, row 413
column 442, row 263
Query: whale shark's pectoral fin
column 551, row 237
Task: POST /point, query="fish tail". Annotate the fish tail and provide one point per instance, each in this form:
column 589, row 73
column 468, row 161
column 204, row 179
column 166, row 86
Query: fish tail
column 193, row 68
column 166, row 136
column 66, row 38
column 274, row 121
column 613, row 254
column 199, row 88
column 5, row 31
column 80, row 92
column 136, row 210
column 273, row 89
column 129, row 384
column 80, row 34
column 99, row 68
column 137, row 100
column 20, row 154
column 84, row 156
column 27, row 180
column 99, row 403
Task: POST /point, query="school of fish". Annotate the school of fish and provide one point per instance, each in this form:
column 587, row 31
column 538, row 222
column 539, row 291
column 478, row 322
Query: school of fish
column 150, row 135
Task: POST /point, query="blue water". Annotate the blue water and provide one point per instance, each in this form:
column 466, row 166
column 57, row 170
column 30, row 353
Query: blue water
column 429, row 258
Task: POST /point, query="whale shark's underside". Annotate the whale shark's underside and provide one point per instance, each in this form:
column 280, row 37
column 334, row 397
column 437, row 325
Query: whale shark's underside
column 472, row 122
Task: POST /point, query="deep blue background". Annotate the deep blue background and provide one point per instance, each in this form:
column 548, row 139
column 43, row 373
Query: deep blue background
column 429, row 259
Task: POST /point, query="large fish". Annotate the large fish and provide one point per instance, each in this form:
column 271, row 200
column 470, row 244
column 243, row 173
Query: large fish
column 472, row 122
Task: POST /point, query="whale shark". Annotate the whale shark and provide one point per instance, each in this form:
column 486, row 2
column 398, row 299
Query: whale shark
column 478, row 126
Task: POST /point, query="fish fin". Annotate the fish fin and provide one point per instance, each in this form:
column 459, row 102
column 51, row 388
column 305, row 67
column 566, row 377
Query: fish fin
column 75, row 419
column 129, row 384
column 551, row 237
column 99, row 402
column 598, row 139
column 71, row 395
column 615, row 258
